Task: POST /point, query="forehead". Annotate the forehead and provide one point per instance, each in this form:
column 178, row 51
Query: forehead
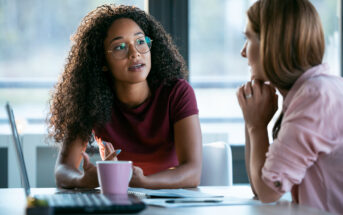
column 123, row 27
column 248, row 27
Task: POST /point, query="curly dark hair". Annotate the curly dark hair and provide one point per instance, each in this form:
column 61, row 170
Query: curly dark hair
column 83, row 97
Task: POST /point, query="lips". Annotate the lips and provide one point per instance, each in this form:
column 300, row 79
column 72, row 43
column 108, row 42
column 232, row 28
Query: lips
column 136, row 66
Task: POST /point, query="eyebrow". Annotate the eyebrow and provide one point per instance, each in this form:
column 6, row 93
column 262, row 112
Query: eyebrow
column 120, row 37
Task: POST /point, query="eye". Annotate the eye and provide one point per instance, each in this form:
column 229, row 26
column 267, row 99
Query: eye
column 119, row 47
column 244, row 36
column 140, row 41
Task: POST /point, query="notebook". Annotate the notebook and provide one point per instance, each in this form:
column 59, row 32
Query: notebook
column 169, row 193
column 73, row 201
column 197, row 202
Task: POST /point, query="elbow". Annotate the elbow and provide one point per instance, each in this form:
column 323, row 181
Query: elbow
column 268, row 197
column 195, row 181
column 195, row 177
column 59, row 177
column 63, row 178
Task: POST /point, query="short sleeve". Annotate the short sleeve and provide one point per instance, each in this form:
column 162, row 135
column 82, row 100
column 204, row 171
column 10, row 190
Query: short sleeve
column 305, row 133
column 182, row 101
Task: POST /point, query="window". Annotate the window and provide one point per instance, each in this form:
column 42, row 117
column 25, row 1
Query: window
column 217, row 68
column 34, row 43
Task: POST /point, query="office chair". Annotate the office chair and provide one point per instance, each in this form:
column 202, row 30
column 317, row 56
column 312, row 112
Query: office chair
column 216, row 164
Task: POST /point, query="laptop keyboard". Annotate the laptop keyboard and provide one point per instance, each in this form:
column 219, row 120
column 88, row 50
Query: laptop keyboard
column 76, row 200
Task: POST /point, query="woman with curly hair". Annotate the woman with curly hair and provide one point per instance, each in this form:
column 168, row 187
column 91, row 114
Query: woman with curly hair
column 124, row 82
column 285, row 47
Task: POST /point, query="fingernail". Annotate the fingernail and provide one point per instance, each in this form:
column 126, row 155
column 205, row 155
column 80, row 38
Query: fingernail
column 253, row 82
column 118, row 151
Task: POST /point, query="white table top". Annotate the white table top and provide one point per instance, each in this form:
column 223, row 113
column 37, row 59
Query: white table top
column 12, row 201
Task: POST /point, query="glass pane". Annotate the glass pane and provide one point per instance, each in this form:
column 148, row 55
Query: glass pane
column 35, row 37
column 34, row 43
column 216, row 39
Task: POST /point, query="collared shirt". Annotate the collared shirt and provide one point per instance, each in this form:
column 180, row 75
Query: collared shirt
column 308, row 152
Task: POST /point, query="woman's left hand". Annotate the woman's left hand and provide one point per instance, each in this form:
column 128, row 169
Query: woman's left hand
column 258, row 102
column 137, row 179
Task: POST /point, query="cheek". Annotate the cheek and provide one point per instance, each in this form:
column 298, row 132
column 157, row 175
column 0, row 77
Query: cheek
column 115, row 65
column 253, row 54
column 148, row 61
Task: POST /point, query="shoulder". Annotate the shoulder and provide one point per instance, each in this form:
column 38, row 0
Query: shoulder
column 316, row 107
column 181, row 85
column 322, row 87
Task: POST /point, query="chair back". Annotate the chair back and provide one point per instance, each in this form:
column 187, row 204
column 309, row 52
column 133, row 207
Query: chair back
column 216, row 164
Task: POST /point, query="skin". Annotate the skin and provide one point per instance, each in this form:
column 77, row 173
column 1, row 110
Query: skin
column 132, row 89
column 257, row 110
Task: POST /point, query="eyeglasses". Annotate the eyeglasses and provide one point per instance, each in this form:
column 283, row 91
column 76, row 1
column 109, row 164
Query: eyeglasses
column 120, row 50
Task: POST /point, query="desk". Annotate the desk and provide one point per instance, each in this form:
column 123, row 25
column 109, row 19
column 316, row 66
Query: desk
column 12, row 201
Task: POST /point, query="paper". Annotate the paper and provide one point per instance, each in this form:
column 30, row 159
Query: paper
column 169, row 193
column 196, row 202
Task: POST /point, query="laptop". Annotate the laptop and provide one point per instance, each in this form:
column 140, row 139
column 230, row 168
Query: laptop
column 74, row 201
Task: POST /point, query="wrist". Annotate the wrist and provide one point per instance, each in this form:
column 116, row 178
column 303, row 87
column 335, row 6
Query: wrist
column 256, row 129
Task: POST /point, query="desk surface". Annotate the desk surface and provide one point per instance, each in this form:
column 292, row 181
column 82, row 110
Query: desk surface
column 12, row 201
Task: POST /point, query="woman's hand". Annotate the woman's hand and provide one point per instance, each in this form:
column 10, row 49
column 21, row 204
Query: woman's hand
column 89, row 177
column 107, row 152
column 138, row 178
column 258, row 102
column 110, row 154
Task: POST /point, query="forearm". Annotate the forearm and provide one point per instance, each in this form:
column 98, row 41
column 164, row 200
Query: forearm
column 259, row 146
column 182, row 176
column 247, row 159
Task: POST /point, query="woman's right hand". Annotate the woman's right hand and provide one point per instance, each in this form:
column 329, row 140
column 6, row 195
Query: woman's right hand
column 258, row 102
column 89, row 177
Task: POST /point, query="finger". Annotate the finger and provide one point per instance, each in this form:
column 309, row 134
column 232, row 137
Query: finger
column 85, row 160
column 107, row 148
column 266, row 89
column 240, row 96
column 256, row 86
column 110, row 146
column 110, row 156
column 248, row 91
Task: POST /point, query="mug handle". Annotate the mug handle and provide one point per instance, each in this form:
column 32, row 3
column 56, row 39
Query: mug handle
column 131, row 172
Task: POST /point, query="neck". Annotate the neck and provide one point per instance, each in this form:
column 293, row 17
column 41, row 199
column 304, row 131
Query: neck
column 133, row 95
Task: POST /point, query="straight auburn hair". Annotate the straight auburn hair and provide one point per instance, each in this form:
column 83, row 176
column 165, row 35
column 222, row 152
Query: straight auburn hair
column 291, row 40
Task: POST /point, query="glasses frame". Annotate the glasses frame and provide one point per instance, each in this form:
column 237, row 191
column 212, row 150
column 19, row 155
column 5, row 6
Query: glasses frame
column 127, row 49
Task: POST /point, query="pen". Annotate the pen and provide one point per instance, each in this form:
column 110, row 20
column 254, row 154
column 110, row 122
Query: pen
column 193, row 201
column 118, row 151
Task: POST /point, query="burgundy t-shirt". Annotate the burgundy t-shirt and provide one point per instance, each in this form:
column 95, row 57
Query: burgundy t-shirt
column 145, row 134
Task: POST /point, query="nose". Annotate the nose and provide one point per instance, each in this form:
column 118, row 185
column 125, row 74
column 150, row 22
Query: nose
column 133, row 53
column 244, row 50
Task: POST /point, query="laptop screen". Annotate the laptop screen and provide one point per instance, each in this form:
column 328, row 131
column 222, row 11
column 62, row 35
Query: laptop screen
column 18, row 148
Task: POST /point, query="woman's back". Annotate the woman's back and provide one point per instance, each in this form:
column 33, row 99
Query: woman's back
column 311, row 138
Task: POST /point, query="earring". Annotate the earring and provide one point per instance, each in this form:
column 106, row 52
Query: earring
column 104, row 69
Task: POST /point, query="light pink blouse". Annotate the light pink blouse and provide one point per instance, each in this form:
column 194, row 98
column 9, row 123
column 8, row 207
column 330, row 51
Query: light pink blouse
column 307, row 155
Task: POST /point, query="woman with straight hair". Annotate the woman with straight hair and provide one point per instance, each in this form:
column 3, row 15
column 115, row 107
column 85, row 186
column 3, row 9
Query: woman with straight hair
column 285, row 48
column 125, row 84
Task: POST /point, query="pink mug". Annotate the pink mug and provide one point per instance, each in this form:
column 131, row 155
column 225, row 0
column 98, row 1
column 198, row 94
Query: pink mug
column 114, row 176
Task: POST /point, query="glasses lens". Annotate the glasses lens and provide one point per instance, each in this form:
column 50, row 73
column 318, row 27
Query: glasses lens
column 119, row 50
column 143, row 44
